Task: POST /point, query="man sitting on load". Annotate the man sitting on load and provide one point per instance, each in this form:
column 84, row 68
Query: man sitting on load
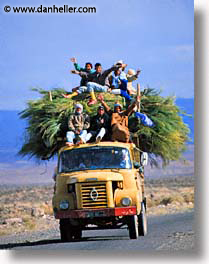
column 96, row 82
column 88, row 68
column 100, row 125
column 119, row 120
column 118, row 84
column 78, row 124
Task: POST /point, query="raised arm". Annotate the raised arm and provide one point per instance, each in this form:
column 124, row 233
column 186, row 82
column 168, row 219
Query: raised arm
column 108, row 71
column 74, row 72
column 76, row 65
column 84, row 74
column 134, row 77
column 129, row 111
column 107, row 108
column 124, row 66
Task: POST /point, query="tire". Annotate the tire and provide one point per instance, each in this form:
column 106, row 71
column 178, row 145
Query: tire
column 142, row 221
column 65, row 230
column 68, row 232
column 77, row 233
column 133, row 227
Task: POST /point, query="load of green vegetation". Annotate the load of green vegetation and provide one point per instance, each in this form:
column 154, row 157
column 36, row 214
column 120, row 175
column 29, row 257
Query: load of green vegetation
column 47, row 119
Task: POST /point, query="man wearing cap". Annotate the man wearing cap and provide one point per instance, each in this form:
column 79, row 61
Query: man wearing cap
column 78, row 124
column 100, row 125
column 119, row 120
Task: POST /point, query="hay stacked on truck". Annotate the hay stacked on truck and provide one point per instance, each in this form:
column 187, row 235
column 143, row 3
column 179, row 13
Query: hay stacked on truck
column 47, row 119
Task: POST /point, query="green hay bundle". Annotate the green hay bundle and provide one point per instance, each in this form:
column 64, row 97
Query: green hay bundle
column 47, row 124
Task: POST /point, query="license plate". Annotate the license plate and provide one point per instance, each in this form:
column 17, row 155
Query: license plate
column 94, row 214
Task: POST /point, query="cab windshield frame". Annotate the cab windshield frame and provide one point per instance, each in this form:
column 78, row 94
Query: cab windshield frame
column 119, row 156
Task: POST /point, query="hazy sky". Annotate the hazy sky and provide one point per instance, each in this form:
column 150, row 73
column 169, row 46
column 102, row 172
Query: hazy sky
column 153, row 35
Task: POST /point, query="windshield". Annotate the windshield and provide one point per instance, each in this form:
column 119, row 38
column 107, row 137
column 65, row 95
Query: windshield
column 94, row 158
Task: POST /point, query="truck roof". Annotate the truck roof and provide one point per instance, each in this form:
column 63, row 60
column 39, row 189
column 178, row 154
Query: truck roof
column 104, row 143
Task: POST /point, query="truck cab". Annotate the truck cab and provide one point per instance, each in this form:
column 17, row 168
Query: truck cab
column 100, row 186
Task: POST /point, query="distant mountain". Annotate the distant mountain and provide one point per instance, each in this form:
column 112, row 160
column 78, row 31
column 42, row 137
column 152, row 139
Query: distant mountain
column 187, row 105
column 12, row 130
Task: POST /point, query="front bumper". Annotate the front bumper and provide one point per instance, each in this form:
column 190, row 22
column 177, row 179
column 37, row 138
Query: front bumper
column 91, row 213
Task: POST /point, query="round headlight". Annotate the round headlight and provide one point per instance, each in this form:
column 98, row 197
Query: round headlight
column 64, row 205
column 126, row 201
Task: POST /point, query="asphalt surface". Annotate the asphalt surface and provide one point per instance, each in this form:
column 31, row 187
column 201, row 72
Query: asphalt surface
column 166, row 232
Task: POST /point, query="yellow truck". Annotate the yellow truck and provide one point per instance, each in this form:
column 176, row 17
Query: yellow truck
column 100, row 186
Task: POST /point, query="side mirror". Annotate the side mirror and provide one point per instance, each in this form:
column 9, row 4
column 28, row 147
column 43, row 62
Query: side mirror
column 136, row 165
column 144, row 158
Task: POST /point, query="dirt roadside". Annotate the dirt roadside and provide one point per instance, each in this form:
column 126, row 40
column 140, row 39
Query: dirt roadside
column 28, row 208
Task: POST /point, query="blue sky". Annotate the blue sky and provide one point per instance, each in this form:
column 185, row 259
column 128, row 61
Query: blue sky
column 156, row 36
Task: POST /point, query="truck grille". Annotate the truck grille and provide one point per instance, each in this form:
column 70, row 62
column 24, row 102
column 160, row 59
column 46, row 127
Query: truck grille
column 93, row 195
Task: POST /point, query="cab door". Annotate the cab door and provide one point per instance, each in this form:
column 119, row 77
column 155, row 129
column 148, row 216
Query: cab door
column 139, row 174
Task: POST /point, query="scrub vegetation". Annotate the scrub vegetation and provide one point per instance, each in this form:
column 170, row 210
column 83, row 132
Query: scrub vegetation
column 28, row 208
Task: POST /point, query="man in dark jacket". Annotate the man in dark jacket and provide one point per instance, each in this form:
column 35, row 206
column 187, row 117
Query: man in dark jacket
column 98, row 81
column 100, row 125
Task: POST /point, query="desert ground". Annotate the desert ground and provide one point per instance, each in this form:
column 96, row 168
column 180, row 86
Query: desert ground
column 28, row 208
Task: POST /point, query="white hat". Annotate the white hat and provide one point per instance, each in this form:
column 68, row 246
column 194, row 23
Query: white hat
column 120, row 61
column 79, row 106
column 131, row 72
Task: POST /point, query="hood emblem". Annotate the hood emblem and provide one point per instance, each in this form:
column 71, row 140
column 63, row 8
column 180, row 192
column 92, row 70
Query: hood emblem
column 94, row 194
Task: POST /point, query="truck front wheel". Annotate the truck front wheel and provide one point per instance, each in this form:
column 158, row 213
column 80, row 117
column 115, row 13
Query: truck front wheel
column 142, row 220
column 133, row 226
column 65, row 231
column 77, row 233
column 69, row 232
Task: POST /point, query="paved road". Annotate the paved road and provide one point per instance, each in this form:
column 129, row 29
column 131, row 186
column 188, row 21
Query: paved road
column 168, row 232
